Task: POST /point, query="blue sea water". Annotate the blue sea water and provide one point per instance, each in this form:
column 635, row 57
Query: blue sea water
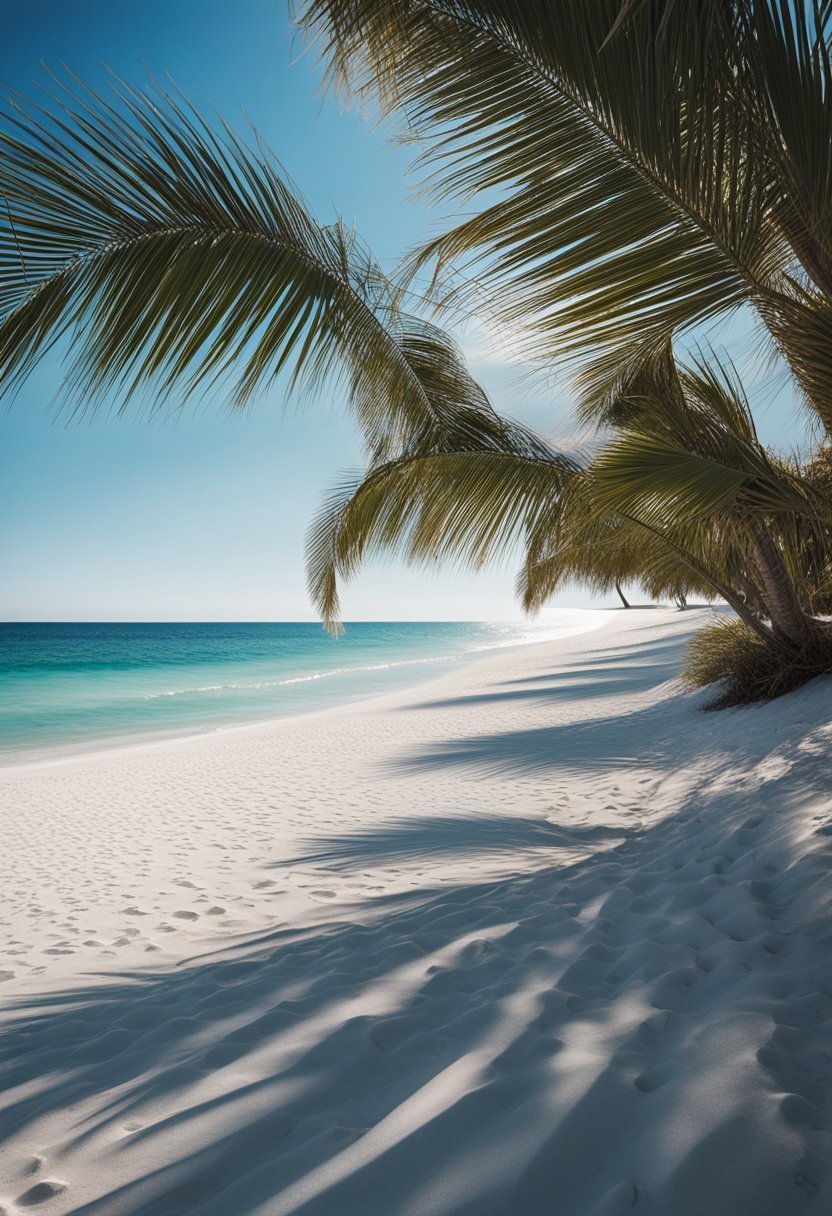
column 75, row 684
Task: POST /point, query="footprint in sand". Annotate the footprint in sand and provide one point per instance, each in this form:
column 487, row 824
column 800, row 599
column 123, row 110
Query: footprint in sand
column 622, row 1198
column 40, row 1193
column 653, row 1078
column 184, row 914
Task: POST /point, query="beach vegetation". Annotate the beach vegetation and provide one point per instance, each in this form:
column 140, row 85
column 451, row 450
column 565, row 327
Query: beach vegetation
column 633, row 171
column 682, row 496
column 628, row 173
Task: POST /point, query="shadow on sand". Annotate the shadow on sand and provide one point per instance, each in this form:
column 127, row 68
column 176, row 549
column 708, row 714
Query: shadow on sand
column 540, row 1043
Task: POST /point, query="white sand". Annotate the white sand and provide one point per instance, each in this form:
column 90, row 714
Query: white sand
column 536, row 939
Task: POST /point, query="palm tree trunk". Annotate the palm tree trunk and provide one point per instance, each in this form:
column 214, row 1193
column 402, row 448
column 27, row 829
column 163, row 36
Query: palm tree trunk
column 735, row 601
column 785, row 610
column 621, row 595
column 751, row 594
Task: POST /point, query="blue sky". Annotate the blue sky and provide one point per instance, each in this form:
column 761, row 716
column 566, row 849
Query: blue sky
column 202, row 516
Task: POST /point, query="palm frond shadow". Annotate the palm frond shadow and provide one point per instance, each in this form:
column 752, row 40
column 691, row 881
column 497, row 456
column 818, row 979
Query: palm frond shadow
column 641, row 737
column 538, row 751
column 447, row 836
column 619, row 670
column 265, row 1073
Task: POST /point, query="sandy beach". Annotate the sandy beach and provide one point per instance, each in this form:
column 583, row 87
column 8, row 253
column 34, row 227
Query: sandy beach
column 538, row 938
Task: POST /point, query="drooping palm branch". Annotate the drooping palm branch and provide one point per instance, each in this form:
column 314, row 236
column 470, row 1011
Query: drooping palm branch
column 161, row 251
column 656, row 164
column 463, row 501
column 684, row 495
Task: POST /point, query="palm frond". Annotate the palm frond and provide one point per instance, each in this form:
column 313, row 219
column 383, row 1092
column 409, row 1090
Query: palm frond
column 618, row 220
column 793, row 82
column 655, row 163
column 162, row 251
column 463, row 506
column 688, row 450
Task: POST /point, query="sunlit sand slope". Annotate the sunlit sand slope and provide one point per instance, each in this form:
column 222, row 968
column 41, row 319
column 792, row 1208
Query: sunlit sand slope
column 537, row 939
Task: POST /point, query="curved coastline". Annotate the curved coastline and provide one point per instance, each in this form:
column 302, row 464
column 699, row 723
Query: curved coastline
column 540, row 923
column 54, row 753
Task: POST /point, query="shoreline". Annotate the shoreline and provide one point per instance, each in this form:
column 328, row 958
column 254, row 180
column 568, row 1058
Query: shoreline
column 309, row 772
column 461, row 947
column 35, row 757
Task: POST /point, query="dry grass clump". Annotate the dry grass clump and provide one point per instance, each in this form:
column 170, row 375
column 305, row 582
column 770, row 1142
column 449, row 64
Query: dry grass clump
column 745, row 667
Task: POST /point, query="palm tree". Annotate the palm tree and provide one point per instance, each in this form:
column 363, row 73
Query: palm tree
column 656, row 163
column 601, row 552
column 161, row 253
column 683, row 497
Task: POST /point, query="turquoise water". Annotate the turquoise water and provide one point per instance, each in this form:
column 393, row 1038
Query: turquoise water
column 71, row 684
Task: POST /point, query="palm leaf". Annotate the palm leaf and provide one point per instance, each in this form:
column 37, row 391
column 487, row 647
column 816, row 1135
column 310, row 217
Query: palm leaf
column 688, row 450
column 632, row 147
column 162, row 252
column 607, row 222
column 465, row 506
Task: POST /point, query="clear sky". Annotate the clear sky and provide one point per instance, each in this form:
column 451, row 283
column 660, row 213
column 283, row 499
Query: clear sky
column 202, row 516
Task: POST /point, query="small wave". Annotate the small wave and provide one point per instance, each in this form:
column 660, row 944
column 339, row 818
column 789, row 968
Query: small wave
column 318, row 675
column 540, row 633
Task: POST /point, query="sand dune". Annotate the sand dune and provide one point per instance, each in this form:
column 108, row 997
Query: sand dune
column 537, row 939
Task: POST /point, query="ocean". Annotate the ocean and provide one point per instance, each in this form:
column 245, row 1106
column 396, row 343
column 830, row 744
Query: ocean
column 70, row 685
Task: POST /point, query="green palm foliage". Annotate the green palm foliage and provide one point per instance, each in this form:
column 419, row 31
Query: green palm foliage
column 602, row 552
column 683, row 497
column 473, row 439
column 466, row 503
column 163, row 252
column 656, row 163
column 629, row 169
